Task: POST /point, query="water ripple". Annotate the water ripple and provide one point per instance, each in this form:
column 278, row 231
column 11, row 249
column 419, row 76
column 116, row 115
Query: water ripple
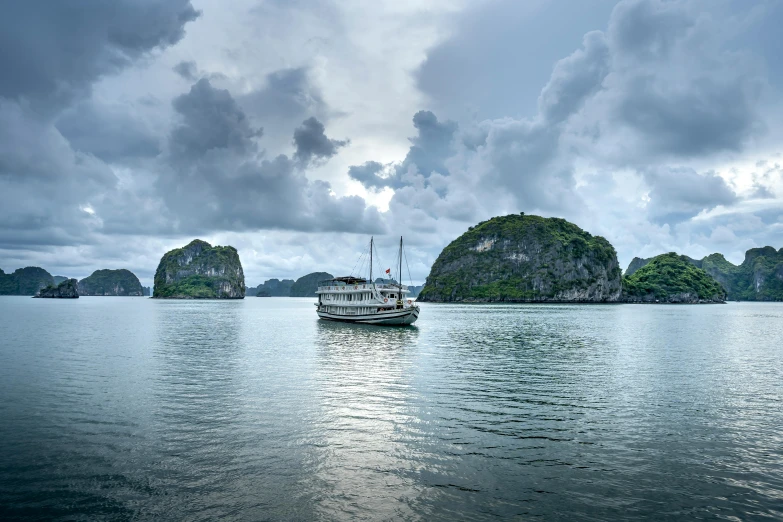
column 135, row 409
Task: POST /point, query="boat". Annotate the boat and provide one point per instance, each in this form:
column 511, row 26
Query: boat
column 354, row 299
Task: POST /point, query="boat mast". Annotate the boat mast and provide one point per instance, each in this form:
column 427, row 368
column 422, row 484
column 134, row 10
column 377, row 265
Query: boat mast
column 371, row 259
column 399, row 274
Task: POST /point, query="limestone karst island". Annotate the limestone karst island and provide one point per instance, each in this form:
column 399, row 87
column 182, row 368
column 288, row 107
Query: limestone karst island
column 200, row 271
column 525, row 258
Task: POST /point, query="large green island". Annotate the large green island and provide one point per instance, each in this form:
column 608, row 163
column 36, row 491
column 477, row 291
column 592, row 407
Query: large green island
column 524, row 258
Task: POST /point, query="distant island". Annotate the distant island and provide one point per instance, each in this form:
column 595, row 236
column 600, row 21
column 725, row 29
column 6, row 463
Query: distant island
column 273, row 288
column 120, row 282
column 758, row 278
column 524, row 258
column 67, row 289
column 307, row 285
column 671, row 278
column 412, row 289
column 200, row 271
column 25, row 281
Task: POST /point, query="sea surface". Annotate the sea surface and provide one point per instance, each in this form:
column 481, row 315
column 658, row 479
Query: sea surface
column 118, row 408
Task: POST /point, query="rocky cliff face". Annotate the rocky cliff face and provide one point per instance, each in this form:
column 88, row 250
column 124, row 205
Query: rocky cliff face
column 636, row 264
column 521, row 258
column 670, row 278
column 759, row 277
column 68, row 289
column 111, row 282
column 200, row 271
column 25, row 281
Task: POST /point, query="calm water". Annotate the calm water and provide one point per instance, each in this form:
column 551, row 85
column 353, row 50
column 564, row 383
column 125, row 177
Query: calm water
column 137, row 409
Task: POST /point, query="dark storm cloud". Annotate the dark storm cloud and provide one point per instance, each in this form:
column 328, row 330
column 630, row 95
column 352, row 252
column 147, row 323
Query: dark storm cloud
column 429, row 149
column 502, row 53
column 678, row 194
column 575, row 78
column 112, row 133
column 58, row 49
column 211, row 119
column 188, row 70
column 217, row 180
column 432, row 145
column 676, row 84
column 288, row 96
column 56, row 186
column 312, row 144
column 44, row 183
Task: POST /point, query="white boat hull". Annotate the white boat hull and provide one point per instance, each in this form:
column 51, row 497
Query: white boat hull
column 402, row 317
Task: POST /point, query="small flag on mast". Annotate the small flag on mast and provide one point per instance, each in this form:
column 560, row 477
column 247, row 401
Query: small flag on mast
column 388, row 271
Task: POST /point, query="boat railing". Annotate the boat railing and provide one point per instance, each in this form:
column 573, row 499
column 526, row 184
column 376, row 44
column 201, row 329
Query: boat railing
column 366, row 286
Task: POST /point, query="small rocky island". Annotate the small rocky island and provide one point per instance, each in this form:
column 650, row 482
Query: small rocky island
column 68, row 289
column 525, row 258
column 111, row 282
column 670, row 278
column 200, row 271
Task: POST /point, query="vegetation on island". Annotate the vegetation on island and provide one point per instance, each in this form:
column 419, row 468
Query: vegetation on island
column 200, row 271
column 120, row 282
column 25, row 281
column 525, row 258
column 671, row 278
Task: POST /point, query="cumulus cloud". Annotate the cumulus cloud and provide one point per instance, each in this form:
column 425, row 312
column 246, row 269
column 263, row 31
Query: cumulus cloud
column 211, row 119
column 678, row 194
column 187, row 70
column 312, row 144
column 429, row 149
column 675, row 88
column 285, row 96
column 216, row 178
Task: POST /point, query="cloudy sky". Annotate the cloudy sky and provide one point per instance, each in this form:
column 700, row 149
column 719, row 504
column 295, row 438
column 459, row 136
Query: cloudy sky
column 293, row 129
